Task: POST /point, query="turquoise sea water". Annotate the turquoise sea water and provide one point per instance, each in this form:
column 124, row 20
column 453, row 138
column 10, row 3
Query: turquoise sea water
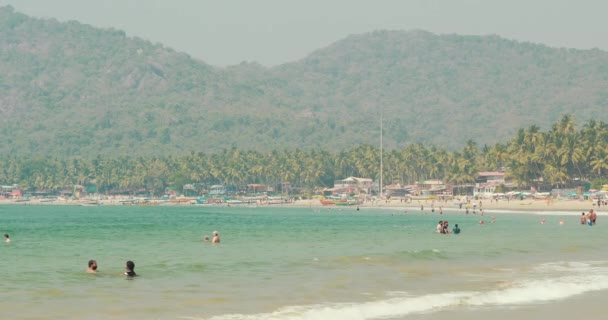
column 289, row 263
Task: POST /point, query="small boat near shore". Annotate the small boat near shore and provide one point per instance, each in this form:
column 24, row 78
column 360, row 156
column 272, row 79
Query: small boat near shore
column 89, row 203
column 338, row 201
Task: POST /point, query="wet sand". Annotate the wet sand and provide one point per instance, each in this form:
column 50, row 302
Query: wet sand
column 586, row 305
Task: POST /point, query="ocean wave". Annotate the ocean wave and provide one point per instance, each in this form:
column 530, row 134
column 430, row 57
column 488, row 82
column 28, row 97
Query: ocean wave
column 429, row 254
column 580, row 278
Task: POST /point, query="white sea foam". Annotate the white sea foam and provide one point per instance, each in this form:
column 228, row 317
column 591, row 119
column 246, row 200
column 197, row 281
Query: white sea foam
column 368, row 310
column 555, row 281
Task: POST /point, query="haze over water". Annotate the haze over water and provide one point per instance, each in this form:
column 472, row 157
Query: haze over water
column 292, row 263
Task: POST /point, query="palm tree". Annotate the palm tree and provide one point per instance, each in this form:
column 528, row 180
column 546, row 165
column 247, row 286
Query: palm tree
column 571, row 154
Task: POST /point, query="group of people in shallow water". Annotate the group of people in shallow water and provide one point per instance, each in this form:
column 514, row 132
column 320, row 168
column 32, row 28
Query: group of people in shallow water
column 589, row 218
column 443, row 228
column 215, row 239
column 130, row 265
column 129, row 268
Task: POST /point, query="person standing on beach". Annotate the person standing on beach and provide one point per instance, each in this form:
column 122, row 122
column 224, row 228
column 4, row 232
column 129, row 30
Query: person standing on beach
column 92, row 266
column 7, row 239
column 130, row 269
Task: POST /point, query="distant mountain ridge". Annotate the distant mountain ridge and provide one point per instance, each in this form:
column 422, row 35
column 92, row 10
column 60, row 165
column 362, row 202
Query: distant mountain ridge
column 68, row 89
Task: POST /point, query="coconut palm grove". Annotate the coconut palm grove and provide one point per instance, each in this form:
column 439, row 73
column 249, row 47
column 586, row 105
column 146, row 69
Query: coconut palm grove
column 563, row 156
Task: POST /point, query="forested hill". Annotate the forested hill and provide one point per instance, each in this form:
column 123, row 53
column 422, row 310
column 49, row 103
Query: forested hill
column 68, row 89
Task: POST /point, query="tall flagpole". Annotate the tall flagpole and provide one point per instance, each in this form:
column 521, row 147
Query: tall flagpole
column 381, row 145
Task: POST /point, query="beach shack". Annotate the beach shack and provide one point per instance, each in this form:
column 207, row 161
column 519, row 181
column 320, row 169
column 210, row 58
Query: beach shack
column 432, row 188
column 353, row 185
column 189, row 189
column 7, row 191
column 399, row 191
column 255, row 188
column 220, row 189
column 487, row 182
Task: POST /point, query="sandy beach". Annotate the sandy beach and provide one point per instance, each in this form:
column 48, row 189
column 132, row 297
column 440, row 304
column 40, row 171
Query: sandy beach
column 525, row 205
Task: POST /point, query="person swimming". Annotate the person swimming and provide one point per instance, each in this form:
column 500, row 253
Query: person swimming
column 216, row 237
column 456, row 230
column 92, row 266
column 7, row 238
column 130, row 267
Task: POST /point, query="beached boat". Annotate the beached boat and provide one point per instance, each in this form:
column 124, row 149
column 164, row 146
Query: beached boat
column 182, row 200
column 276, row 200
column 90, row 203
column 235, row 202
column 346, row 202
column 327, row 202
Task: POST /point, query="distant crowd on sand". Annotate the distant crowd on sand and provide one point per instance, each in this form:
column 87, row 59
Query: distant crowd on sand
column 468, row 206
column 599, row 203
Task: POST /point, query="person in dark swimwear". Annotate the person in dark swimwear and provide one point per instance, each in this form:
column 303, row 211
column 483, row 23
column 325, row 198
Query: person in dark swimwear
column 130, row 267
column 456, row 230
column 592, row 216
column 445, row 229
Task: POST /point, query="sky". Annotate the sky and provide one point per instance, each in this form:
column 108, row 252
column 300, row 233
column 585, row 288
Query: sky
column 272, row 32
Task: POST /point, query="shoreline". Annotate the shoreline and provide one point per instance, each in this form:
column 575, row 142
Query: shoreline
column 526, row 205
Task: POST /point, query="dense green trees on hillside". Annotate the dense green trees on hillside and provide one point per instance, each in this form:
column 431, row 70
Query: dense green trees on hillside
column 544, row 159
column 69, row 90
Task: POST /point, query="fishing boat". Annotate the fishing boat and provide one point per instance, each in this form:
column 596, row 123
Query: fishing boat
column 327, row 202
column 89, row 203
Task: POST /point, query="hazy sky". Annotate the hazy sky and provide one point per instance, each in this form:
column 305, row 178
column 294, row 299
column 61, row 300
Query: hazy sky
column 223, row 32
